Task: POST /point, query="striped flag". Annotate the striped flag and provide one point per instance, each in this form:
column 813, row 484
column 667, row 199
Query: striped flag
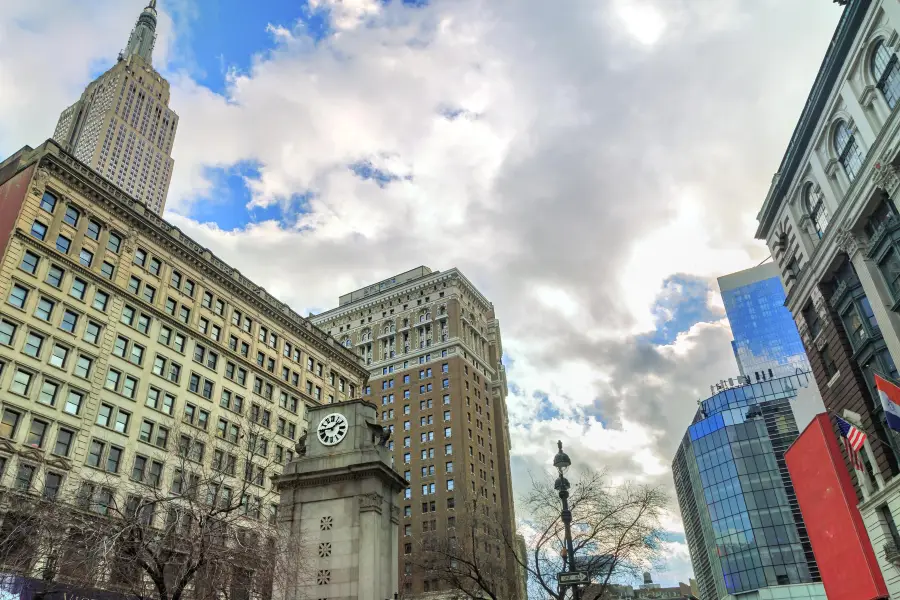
column 855, row 439
column 890, row 401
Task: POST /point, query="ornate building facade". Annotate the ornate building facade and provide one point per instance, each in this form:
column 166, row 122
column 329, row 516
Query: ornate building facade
column 432, row 344
column 832, row 224
column 122, row 126
column 120, row 338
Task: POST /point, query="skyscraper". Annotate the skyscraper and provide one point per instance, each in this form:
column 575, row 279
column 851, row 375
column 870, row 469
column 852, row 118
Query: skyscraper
column 431, row 342
column 766, row 341
column 122, row 126
column 742, row 521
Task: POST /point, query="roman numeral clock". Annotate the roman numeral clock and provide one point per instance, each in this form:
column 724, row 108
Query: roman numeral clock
column 332, row 429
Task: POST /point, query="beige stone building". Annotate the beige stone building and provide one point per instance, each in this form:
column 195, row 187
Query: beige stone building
column 122, row 126
column 116, row 330
column 432, row 344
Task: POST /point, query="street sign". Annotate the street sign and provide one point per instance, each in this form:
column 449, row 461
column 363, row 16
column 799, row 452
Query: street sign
column 572, row 577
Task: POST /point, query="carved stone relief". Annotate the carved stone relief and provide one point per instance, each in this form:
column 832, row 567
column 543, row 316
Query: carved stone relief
column 370, row 502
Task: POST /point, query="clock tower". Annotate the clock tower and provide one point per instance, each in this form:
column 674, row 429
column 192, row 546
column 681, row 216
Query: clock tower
column 340, row 498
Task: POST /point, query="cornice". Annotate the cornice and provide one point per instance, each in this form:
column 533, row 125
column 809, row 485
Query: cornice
column 150, row 226
column 395, row 293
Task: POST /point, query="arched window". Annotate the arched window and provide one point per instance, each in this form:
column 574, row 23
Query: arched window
column 886, row 73
column 815, row 208
column 848, row 150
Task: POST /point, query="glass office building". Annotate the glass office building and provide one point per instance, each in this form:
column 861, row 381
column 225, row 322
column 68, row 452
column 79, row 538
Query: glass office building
column 742, row 521
column 766, row 341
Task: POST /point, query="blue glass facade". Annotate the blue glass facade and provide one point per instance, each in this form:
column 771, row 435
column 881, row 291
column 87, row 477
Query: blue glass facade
column 742, row 521
column 766, row 341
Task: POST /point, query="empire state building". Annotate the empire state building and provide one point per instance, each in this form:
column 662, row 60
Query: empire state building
column 122, row 125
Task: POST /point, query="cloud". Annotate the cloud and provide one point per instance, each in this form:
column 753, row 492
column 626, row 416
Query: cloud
column 570, row 162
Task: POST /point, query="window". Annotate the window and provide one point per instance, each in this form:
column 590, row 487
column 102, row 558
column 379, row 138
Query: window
column 21, row 383
column 71, row 216
column 101, row 300
column 107, row 270
column 448, row 450
column 154, row 266
column 38, row 230
column 63, row 244
column 52, row 483
column 24, row 477
column 48, row 393
column 92, row 332
column 189, row 287
column 18, row 296
column 44, row 310
column 140, row 257
column 447, row 432
column 30, row 262
column 134, row 284
column 58, row 356
column 815, row 208
column 48, row 202
column 849, row 153
column 115, row 242
column 69, row 321
column 83, row 366
column 886, row 73
column 93, row 230
column 149, row 294
column 33, row 344
column 9, row 423
column 86, row 257
column 7, row 332
column 78, row 289
column 36, row 434
column 73, row 402
column 184, row 314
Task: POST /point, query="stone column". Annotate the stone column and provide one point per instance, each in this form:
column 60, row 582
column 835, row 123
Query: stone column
column 876, row 290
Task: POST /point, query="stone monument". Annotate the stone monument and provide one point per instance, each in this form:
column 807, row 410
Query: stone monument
column 339, row 497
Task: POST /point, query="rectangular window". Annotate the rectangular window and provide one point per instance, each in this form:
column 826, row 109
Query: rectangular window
column 101, row 300
column 71, row 216
column 7, row 332
column 55, row 276
column 48, row 393
column 93, row 230
column 73, row 402
column 21, row 383
column 63, row 244
column 33, row 345
column 154, row 266
column 115, row 242
column 86, row 257
column 30, row 262
column 39, row 230
column 78, row 289
column 18, row 296
column 69, row 321
column 83, row 367
column 63, row 442
column 9, row 424
column 107, row 269
column 44, row 310
column 140, row 257
column 37, row 433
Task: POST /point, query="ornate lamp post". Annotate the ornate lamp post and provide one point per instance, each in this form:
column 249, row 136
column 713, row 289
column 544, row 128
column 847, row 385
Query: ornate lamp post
column 562, row 462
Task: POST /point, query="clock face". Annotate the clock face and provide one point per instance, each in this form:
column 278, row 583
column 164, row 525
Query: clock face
column 332, row 429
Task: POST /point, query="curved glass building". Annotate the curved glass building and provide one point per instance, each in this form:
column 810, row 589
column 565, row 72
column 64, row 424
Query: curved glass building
column 742, row 521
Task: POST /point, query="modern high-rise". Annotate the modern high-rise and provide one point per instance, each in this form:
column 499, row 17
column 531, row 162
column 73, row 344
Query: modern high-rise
column 743, row 525
column 432, row 344
column 766, row 341
column 124, row 343
column 122, row 126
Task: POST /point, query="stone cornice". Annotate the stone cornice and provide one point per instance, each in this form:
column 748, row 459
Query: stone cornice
column 395, row 293
column 113, row 199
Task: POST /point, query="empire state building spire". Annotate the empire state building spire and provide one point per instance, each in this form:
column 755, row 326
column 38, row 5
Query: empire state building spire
column 143, row 36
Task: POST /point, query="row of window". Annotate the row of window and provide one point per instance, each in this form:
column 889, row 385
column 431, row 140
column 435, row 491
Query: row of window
column 148, row 293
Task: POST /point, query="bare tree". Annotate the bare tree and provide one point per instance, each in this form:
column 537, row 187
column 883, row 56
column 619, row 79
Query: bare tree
column 470, row 559
column 195, row 517
column 616, row 531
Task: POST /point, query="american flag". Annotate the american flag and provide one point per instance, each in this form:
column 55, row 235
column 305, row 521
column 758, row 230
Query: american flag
column 855, row 441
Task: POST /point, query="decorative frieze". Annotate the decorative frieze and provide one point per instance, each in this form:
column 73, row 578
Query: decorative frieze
column 370, row 502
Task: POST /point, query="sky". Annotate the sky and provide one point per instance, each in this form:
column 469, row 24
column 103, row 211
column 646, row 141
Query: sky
column 592, row 166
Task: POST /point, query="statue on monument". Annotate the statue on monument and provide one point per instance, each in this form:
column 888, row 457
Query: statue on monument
column 300, row 447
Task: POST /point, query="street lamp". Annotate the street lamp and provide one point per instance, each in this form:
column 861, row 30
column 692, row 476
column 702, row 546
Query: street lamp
column 562, row 462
